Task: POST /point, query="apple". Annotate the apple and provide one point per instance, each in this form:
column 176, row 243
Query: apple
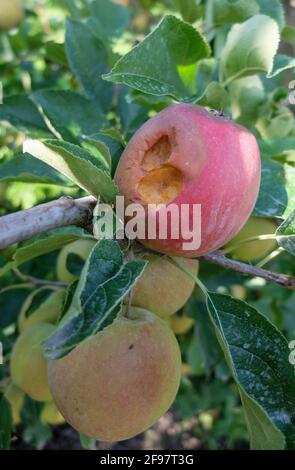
column 250, row 251
column 118, row 383
column 48, row 312
column 11, row 13
column 187, row 155
column 16, row 397
column 28, row 366
column 163, row 288
column 79, row 248
column 181, row 324
column 51, row 415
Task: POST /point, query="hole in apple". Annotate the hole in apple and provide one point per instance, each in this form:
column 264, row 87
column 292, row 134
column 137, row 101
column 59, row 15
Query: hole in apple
column 157, row 155
column 160, row 186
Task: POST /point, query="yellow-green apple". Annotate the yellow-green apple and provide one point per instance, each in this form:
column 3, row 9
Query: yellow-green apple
column 119, row 382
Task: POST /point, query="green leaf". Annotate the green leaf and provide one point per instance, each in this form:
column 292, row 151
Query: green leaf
column 274, row 9
column 108, row 20
column 277, row 190
column 43, row 244
column 87, row 57
column 151, row 67
column 108, row 147
column 56, row 53
column 21, row 113
column 87, row 442
column 281, row 63
column 77, row 164
column 247, row 99
column 11, row 299
column 257, row 354
column 286, row 234
column 214, row 97
column 104, row 281
column 250, row 48
column 280, row 148
column 36, row 433
column 234, row 11
column 27, row 169
column 5, row 423
column 190, row 10
column 69, row 113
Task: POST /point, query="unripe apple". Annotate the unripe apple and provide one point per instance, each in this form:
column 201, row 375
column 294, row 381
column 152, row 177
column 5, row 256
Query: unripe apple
column 181, row 324
column 11, row 13
column 28, row 365
column 16, row 397
column 250, row 251
column 51, row 415
column 48, row 312
column 79, row 248
column 119, row 382
column 163, row 288
column 186, row 155
column 238, row 291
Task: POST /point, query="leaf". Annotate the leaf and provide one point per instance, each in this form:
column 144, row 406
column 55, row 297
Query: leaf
column 87, row 57
column 257, row 354
column 274, row 9
column 27, row 169
column 5, row 423
column 108, row 20
column 247, row 100
column 88, row 443
column 104, row 281
column 69, row 113
column 280, row 148
column 56, row 53
column 11, row 299
column 237, row 11
column 77, row 164
column 277, row 190
column 190, row 10
column 286, row 234
column 250, row 48
column 43, row 244
column 21, row 113
column 281, row 63
column 214, row 97
column 151, row 67
column 109, row 148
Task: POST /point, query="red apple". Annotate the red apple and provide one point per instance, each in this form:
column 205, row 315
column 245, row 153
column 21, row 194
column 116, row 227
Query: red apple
column 187, row 155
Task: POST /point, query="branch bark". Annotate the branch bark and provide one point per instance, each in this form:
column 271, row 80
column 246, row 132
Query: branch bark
column 26, row 224
column 218, row 258
column 66, row 211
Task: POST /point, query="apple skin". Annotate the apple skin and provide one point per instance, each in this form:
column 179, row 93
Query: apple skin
column 51, row 415
column 11, row 14
column 119, row 382
column 254, row 250
column 163, row 288
column 28, row 366
column 16, row 398
column 81, row 248
column 186, row 155
column 48, row 312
